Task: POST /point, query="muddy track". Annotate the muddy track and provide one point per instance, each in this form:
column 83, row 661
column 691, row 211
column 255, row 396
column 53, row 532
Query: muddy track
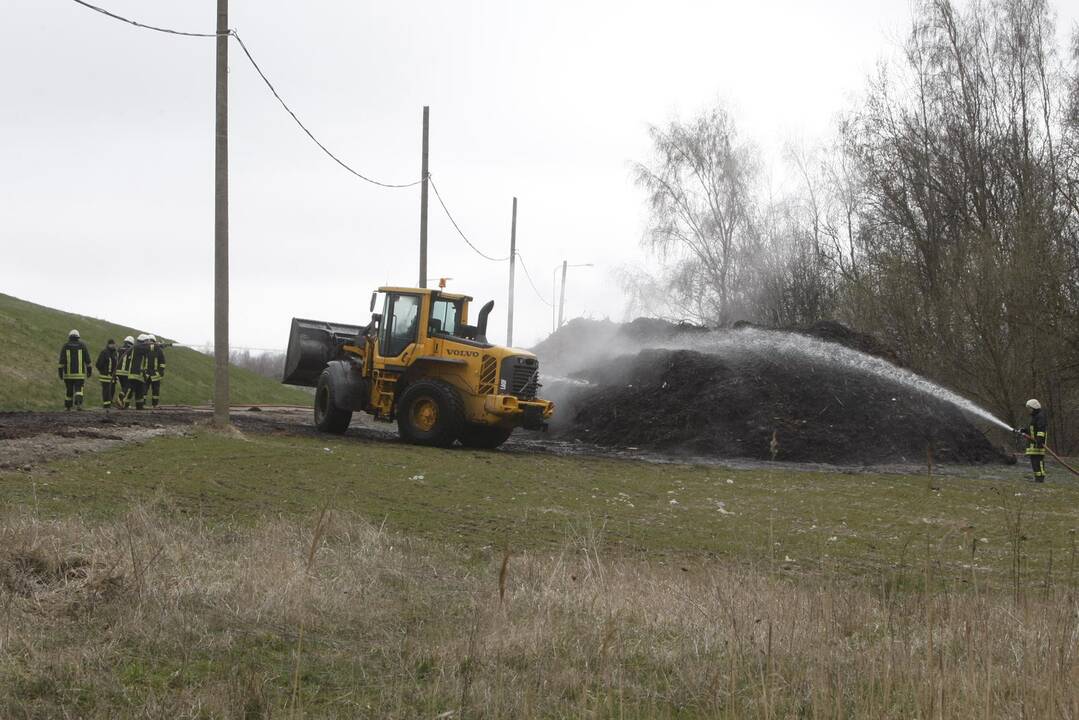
column 28, row 439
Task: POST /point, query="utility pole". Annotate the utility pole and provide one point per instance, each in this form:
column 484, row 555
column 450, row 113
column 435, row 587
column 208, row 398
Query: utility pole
column 423, row 199
column 513, row 257
column 561, row 303
column 221, row 222
column 562, row 294
column 554, row 302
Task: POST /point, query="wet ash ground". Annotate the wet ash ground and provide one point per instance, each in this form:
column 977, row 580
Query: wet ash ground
column 28, row 439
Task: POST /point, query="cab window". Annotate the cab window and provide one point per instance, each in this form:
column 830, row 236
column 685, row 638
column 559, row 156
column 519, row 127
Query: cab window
column 444, row 317
column 400, row 323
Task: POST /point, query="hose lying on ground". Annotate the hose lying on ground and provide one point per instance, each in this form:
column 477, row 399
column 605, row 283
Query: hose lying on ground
column 1061, row 461
column 1055, row 456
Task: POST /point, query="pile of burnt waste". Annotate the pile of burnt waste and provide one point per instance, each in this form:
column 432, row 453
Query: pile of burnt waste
column 731, row 393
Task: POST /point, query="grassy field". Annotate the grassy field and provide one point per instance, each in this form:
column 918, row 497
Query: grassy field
column 30, row 340
column 267, row 576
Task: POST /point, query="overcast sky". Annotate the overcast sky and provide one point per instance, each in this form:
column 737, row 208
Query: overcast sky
column 107, row 149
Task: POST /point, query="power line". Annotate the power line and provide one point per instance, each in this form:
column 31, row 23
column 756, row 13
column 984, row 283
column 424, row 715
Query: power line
column 458, row 227
column 114, row 16
column 321, row 146
column 265, row 79
column 303, row 127
column 534, row 288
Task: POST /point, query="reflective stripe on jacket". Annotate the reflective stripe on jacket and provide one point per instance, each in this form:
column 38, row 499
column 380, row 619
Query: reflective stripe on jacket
column 139, row 362
column 106, row 365
column 155, row 362
column 1037, row 433
column 74, row 360
column 123, row 362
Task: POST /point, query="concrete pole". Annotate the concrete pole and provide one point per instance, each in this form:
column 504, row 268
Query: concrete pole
column 423, row 197
column 513, row 258
column 554, row 300
column 221, row 222
column 562, row 294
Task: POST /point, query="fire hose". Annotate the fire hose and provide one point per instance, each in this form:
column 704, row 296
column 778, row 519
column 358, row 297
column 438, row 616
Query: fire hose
column 1050, row 451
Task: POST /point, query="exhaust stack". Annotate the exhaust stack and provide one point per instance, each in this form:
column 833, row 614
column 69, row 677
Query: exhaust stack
column 481, row 320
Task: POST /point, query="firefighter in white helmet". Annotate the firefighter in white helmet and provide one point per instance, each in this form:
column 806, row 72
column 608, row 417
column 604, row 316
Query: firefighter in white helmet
column 74, row 368
column 123, row 368
column 1035, row 433
column 137, row 367
column 155, row 369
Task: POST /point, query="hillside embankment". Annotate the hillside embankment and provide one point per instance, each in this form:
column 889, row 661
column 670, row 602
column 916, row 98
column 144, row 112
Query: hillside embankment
column 31, row 336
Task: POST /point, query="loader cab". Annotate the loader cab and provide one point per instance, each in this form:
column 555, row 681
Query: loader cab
column 446, row 316
column 401, row 315
column 411, row 315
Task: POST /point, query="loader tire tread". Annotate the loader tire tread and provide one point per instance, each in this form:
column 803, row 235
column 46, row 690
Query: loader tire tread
column 451, row 414
column 484, row 437
column 328, row 417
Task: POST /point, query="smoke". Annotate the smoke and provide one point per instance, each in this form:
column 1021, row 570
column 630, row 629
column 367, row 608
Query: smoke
column 771, row 342
column 580, row 356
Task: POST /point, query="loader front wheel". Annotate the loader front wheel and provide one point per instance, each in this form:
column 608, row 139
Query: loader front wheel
column 484, row 437
column 328, row 417
column 430, row 413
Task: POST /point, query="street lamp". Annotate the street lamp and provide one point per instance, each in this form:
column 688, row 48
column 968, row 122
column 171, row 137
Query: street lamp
column 562, row 299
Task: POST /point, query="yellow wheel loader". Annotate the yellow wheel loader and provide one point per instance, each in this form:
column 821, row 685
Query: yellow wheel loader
column 420, row 363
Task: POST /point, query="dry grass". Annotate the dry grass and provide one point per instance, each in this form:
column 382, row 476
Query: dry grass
column 149, row 616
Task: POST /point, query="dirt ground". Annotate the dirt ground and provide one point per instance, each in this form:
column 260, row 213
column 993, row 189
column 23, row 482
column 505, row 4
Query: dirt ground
column 28, row 439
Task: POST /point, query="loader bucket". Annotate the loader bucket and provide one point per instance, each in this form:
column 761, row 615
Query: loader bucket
column 312, row 344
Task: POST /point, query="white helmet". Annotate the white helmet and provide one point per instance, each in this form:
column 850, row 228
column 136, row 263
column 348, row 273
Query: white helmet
column 74, row 334
column 1034, row 404
column 129, row 340
column 151, row 337
column 143, row 337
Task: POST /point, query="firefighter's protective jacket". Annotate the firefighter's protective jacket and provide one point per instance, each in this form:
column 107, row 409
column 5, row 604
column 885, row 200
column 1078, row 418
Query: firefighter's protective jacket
column 123, row 361
column 139, row 364
column 156, row 362
column 74, row 363
column 106, row 364
column 1036, row 432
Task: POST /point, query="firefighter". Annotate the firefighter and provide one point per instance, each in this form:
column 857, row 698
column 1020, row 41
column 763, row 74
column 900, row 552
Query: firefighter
column 106, row 372
column 137, row 371
column 123, row 368
column 74, row 367
column 156, row 369
column 1035, row 434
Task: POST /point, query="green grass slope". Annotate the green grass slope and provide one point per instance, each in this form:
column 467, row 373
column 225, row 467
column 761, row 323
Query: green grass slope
column 30, row 340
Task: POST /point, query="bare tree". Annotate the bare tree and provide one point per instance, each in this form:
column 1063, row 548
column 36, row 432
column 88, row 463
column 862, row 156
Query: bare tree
column 728, row 250
column 966, row 228
column 701, row 183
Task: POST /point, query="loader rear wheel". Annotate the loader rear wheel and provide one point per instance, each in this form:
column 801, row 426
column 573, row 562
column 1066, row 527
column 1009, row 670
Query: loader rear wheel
column 484, row 437
column 328, row 417
column 430, row 413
